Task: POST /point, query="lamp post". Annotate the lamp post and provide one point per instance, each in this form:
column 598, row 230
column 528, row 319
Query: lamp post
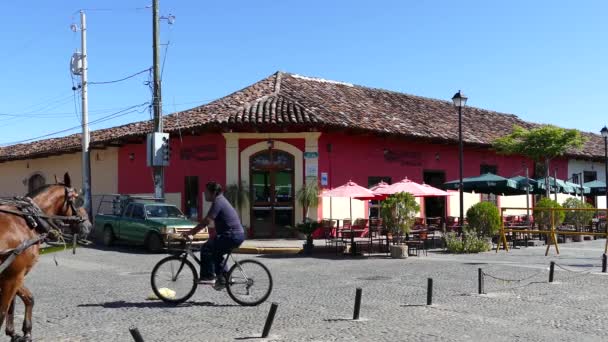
column 460, row 101
column 604, row 132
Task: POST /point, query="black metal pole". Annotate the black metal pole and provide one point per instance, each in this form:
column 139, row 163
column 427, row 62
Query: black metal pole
column 460, row 154
column 606, row 180
column 604, row 262
column 269, row 319
column 357, row 304
column 136, row 335
column 480, row 281
column 429, row 292
column 551, row 270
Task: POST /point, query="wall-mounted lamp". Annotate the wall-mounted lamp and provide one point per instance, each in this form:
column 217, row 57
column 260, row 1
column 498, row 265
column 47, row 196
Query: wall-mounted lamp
column 436, row 156
column 131, row 156
column 386, row 151
column 27, row 165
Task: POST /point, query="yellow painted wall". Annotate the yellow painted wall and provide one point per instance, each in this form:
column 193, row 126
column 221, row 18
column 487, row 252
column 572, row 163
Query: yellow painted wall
column 14, row 175
column 454, row 202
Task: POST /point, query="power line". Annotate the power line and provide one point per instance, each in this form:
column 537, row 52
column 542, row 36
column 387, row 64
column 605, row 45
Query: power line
column 120, row 113
column 122, row 79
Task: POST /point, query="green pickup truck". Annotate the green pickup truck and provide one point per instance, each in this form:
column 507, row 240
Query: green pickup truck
column 143, row 221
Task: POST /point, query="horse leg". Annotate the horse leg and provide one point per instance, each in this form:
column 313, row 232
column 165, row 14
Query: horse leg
column 10, row 321
column 28, row 299
column 8, row 289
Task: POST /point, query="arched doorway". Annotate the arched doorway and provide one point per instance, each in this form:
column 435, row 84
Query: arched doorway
column 272, row 193
column 36, row 181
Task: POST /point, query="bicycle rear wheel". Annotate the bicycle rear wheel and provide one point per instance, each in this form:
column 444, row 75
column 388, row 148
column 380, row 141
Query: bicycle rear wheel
column 174, row 279
column 249, row 282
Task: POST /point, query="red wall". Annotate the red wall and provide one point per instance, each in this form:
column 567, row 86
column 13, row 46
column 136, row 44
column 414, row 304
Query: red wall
column 207, row 155
column 358, row 157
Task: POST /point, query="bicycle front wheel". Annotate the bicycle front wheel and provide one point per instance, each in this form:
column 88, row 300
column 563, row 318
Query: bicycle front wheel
column 249, row 282
column 174, row 279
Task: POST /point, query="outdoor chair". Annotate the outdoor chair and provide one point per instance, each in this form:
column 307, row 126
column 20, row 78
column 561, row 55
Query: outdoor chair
column 375, row 232
column 330, row 235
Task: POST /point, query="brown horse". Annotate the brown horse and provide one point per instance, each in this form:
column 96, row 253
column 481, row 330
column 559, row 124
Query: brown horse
column 57, row 203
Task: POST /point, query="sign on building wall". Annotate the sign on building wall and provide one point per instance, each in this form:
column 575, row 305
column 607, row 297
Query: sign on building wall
column 200, row 153
column 312, row 170
column 324, row 179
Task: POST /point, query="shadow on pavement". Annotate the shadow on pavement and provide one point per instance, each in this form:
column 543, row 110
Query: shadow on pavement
column 151, row 304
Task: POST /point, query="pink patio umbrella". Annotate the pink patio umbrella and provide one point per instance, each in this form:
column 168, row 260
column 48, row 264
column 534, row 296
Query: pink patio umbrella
column 350, row 190
column 434, row 192
column 405, row 185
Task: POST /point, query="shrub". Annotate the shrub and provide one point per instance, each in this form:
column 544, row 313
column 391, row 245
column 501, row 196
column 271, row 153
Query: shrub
column 578, row 218
column 543, row 217
column 469, row 243
column 398, row 212
column 484, row 219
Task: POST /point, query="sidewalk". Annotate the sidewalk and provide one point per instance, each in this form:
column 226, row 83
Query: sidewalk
column 271, row 246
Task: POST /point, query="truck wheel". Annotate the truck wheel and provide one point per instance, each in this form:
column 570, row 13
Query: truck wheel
column 154, row 244
column 108, row 236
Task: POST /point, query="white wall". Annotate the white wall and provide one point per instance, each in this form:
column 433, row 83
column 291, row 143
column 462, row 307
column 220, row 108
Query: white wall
column 578, row 166
column 340, row 208
column 454, row 202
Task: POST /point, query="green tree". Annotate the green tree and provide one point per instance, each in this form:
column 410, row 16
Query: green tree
column 398, row 212
column 540, row 144
column 484, row 219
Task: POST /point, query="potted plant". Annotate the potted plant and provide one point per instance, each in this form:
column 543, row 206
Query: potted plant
column 307, row 228
column 308, row 196
column 238, row 196
column 577, row 218
column 398, row 213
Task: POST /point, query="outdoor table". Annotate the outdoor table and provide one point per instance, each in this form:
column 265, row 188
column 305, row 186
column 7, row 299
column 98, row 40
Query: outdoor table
column 353, row 245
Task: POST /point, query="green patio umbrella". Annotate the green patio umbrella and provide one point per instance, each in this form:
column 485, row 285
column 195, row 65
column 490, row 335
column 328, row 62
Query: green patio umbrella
column 558, row 185
column 488, row 183
column 596, row 188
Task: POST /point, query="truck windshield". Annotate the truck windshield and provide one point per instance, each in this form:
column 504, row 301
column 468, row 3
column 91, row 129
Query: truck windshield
column 163, row 211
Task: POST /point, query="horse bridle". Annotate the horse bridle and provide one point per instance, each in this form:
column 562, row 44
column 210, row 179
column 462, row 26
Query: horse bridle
column 69, row 202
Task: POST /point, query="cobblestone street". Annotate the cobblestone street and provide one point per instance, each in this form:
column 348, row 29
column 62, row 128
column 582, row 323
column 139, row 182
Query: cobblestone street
column 97, row 295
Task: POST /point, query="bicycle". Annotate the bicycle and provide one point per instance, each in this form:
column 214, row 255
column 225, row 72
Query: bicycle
column 248, row 282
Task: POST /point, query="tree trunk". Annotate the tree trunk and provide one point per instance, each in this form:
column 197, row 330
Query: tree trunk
column 547, row 179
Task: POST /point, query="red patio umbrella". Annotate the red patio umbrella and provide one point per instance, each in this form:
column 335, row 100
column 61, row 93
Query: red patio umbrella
column 405, row 185
column 434, row 192
column 350, row 190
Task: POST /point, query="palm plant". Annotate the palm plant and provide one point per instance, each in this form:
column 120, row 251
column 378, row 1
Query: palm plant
column 308, row 197
column 237, row 195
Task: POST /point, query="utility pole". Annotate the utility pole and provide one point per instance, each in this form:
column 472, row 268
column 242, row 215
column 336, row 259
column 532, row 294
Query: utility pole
column 159, row 174
column 86, row 157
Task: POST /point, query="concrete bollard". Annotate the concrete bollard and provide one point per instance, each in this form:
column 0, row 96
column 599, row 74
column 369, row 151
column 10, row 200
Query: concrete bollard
column 604, row 261
column 269, row 319
column 136, row 335
column 429, row 292
column 480, row 284
column 551, row 271
column 357, row 303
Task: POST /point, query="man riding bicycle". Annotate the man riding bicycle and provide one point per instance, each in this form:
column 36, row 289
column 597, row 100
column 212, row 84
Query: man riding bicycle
column 229, row 235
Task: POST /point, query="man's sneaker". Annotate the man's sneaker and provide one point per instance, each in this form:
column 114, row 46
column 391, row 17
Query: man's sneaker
column 220, row 283
column 207, row 281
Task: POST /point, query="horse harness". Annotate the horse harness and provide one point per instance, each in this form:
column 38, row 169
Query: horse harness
column 36, row 219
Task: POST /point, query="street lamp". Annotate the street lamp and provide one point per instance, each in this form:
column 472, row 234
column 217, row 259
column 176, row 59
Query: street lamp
column 604, row 132
column 459, row 102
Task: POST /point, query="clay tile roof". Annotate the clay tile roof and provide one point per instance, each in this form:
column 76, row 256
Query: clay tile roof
column 287, row 99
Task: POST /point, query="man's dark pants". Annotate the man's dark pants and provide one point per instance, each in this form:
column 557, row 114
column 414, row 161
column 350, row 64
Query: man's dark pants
column 212, row 254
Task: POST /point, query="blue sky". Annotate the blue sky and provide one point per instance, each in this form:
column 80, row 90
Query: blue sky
column 542, row 60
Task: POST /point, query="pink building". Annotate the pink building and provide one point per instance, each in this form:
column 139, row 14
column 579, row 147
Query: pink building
column 286, row 130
